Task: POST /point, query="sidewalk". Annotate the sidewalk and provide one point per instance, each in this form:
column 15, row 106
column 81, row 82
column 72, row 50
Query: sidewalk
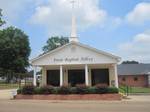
column 6, row 94
column 138, row 98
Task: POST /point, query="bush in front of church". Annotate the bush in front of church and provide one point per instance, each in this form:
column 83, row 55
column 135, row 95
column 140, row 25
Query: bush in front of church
column 82, row 89
column 44, row 90
column 101, row 89
column 27, row 90
column 91, row 90
column 73, row 90
column 112, row 90
column 19, row 91
column 64, row 90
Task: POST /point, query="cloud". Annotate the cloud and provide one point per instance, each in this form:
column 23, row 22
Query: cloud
column 56, row 15
column 113, row 23
column 140, row 14
column 13, row 10
column 137, row 48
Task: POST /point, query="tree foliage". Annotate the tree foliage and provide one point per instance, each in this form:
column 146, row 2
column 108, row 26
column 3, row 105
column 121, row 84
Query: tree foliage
column 1, row 21
column 14, row 50
column 54, row 42
column 130, row 62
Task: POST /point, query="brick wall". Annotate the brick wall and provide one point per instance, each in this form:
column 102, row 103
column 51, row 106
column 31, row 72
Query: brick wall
column 108, row 97
column 133, row 80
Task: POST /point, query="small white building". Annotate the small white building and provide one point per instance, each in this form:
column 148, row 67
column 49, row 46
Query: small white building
column 77, row 63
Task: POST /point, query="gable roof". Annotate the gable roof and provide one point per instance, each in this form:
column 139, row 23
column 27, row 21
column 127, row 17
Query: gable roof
column 133, row 69
column 78, row 44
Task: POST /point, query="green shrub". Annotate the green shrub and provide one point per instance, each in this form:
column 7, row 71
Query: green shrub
column 37, row 90
column 113, row 90
column 55, row 90
column 28, row 90
column 101, row 89
column 81, row 89
column 46, row 90
column 19, row 91
column 73, row 90
column 91, row 90
column 64, row 90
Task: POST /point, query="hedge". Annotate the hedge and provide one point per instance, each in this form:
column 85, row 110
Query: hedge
column 79, row 89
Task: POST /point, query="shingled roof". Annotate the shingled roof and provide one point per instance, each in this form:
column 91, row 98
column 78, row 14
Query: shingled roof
column 133, row 69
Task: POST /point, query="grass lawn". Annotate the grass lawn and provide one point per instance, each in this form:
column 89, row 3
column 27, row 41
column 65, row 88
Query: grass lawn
column 134, row 89
column 8, row 86
column 139, row 90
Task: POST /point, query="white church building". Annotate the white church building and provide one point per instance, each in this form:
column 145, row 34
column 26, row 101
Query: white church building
column 76, row 63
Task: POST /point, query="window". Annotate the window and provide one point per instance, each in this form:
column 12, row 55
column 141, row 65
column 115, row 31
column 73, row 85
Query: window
column 123, row 79
column 53, row 77
column 135, row 79
column 76, row 77
column 100, row 76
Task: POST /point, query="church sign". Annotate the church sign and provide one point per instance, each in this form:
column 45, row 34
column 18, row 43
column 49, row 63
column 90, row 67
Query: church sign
column 69, row 60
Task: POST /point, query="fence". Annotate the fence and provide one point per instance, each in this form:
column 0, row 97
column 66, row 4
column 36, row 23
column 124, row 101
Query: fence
column 12, row 80
column 4, row 85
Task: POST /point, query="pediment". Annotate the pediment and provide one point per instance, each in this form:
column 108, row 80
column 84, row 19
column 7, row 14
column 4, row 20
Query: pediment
column 74, row 53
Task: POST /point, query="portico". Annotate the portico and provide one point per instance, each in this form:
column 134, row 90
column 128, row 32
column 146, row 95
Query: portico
column 79, row 74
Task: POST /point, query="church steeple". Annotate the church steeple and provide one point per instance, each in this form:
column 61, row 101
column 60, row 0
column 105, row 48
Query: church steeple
column 73, row 37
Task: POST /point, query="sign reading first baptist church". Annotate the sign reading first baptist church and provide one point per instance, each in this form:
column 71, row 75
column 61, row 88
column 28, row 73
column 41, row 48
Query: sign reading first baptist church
column 69, row 60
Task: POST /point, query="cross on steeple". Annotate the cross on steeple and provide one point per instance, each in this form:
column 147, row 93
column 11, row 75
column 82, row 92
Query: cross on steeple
column 73, row 3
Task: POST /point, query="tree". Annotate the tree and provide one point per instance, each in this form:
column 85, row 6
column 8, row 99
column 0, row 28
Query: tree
column 54, row 42
column 130, row 62
column 14, row 50
column 1, row 21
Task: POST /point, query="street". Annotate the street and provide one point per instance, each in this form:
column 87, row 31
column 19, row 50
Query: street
column 73, row 106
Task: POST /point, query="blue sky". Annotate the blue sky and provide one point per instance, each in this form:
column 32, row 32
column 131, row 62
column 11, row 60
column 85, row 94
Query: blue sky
column 121, row 27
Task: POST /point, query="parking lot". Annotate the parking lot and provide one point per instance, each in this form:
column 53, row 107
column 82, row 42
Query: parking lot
column 133, row 104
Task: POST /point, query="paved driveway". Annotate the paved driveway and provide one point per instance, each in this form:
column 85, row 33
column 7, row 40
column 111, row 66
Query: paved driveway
column 135, row 104
column 6, row 94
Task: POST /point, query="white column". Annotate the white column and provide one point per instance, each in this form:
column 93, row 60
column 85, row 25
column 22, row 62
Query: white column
column 86, row 76
column 149, row 80
column 44, row 77
column 61, row 75
column 116, row 75
column 34, row 75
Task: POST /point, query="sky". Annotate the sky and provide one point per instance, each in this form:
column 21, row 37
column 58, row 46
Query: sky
column 120, row 27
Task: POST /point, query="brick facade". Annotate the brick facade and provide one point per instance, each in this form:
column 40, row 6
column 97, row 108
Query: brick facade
column 107, row 97
column 133, row 80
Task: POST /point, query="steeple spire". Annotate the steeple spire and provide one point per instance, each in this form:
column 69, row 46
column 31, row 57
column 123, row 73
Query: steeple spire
column 73, row 37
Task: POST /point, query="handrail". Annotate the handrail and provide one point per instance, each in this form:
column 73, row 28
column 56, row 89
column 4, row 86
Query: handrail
column 125, row 89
